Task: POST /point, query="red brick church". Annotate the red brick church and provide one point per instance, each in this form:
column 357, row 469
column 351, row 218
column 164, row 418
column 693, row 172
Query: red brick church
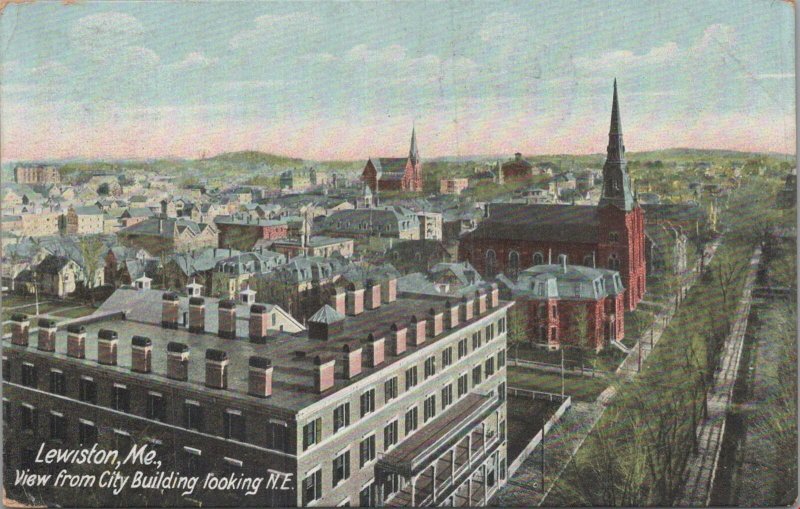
column 515, row 236
column 395, row 173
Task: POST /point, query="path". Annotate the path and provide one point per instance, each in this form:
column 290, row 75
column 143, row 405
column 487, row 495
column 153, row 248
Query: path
column 702, row 466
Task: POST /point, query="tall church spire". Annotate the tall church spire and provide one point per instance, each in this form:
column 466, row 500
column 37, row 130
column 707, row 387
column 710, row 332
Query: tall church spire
column 413, row 152
column 616, row 181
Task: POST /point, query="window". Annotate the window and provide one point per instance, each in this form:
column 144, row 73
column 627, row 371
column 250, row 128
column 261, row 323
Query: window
column 277, row 436
column 312, row 433
column 501, row 325
column 58, row 383
column 429, row 408
column 430, row 367
column 462, row 348
column 501, row 391
column 366, row 450
column 538, row 258
column 6, row 369
column 28, row 418
column 411, row 420
column 491, row 263
column 193, row 460
column 613, row 262
column 489, row 332
column 476, row 375
column 489, row 367
column 463, row 385
column 312, row 487
column 341, row 468
column 122, row 398
column 390, row 435
column 447, row 396
column 87, row 432
column 613, row 237
column 341, row 417
column 513, row 263
column 156, row 409
column 447, row 357
column 88, row 390
column 476, row 340
column 58, row 426
column 390, row 389
column 192, row 415
column 365, row 498
column 368, row 402
column 28, row 374
column 501, row 359
column 233, row 422
column 588, row 260
column 411, row 377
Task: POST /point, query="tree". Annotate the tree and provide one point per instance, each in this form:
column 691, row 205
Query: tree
column 91, row 250
column 103, row 189
column 580, row 330
column 517, row 329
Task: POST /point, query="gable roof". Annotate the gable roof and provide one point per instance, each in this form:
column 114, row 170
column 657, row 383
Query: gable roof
column 540, row 222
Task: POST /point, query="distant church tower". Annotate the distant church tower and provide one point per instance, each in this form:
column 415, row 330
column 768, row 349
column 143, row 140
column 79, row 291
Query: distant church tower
column 414, row 163
column 621, row 242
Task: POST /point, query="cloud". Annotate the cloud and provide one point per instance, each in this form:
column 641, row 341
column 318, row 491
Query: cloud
column 406, row 68
column 621, row 59
column 99, row 33
column 277, row 29
column 194, row 61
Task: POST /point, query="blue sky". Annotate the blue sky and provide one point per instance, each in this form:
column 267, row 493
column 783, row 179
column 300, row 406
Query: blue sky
column 347, row 80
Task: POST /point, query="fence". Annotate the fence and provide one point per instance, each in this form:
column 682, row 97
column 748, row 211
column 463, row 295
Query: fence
column 566, row 402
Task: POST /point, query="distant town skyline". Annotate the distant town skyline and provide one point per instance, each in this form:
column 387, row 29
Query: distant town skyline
column 347, row 81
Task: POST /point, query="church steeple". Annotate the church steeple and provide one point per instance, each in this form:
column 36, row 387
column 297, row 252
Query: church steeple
column 616, row 181
column 413, row 152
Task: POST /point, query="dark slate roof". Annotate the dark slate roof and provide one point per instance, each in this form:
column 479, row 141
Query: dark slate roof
column 571, row 282
column 540, row 222
column 392, row 165
column 90, row 210
column 326, row 314
column 52, row 264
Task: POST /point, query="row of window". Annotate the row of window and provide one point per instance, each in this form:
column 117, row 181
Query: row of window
column 312, row 431
column 312, row 484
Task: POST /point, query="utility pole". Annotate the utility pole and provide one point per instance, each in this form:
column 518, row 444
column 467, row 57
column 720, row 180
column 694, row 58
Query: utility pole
column 639, row 368
column 562, row 378
column 541, row 419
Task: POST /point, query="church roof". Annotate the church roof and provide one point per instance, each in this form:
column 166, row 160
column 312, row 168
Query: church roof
column 539, row 222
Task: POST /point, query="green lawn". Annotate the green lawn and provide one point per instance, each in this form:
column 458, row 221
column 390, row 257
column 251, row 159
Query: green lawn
column 31, row 310
column 608, row 359
column 11, row 300
column 584, row 388
column 76, row 312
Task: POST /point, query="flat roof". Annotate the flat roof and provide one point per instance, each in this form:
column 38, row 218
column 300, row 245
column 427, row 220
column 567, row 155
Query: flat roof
column 293, row 376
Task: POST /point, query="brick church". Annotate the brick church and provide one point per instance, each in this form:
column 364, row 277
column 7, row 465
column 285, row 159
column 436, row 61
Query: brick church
column 515, row 236
column 395, row 173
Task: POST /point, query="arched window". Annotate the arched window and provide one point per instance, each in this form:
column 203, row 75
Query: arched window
column 538, row 258
column 491, row 263
column 613, row 262
column 513, row 263
column 588, row 260
column 613, row 237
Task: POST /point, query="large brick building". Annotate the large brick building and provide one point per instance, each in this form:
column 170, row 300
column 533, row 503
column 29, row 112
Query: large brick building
column 514, row 236
column 384, row 400
column 37, row 175
column 395, row 173
column 241, row 231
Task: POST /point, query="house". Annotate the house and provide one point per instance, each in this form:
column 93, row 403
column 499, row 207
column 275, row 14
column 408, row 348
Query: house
column 38, row 174
column 232, row 274
column 83, row 221
column 180, row 269
column 430, row 225
column 159, row 235
column 317, row 245
column 57, row 276
column 516, row 169
column 395, row 173
column 242, row 231
column 380, row 221
column 416, row 255
column 666, row 250
column 456, row 280
column 454, row 186
column 135, row 215
column 559, row 303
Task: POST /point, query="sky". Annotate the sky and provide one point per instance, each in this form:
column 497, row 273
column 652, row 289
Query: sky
column 347, row 80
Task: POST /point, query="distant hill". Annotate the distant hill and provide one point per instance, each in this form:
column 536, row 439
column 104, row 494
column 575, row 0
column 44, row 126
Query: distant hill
column 251, row 157
column 700, row 153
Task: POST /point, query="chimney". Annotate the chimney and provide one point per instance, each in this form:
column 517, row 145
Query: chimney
column 494, row 296
column 389, row 290
column 323, row 376
column 562, row 260
column 19, row 329
column 480, row 297
column 107, row 347
column 197, row 314
column 352, row 359
column 169, row 310
column 397, row 340
column 373, row 297
column 451, row 315
column 376, row 350
column 417, row 332
column 467, row 308
column 260, row 377
column 216, row 369
column 338, row 301
column 258, row 323
column 435, row 323
column 354, row 300
column 177, row 361
column 141, row 354
column 517, row 156
column 76, row 341
column 227, row 319
column 47, row 335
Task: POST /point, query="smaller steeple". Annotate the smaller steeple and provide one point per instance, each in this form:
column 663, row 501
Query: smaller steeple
column 413, row 152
